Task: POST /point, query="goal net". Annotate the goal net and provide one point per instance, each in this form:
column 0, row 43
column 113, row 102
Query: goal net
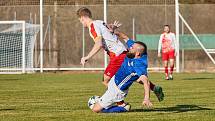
column 17, row 40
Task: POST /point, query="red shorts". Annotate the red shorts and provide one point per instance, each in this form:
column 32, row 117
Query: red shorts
column 168, row 55
column 114, row 64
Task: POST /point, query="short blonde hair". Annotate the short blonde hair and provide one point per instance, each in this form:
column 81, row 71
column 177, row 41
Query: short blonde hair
column 83, row 11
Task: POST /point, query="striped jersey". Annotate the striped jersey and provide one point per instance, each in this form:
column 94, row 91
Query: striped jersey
column 130, row 70
column 167, row 42
column 110, row 41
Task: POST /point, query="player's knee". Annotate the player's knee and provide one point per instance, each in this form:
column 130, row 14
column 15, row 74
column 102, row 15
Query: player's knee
column 96, row 109
column 106, row 80
column 171, row 64
column 105, row 83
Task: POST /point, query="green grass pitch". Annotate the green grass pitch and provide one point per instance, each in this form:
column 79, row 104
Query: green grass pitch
column 63, row 97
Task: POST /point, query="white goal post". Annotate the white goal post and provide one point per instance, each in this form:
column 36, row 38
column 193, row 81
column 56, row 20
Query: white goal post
column 17, row 40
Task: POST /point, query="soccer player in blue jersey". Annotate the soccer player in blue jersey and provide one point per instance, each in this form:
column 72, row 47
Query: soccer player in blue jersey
column 134, row 68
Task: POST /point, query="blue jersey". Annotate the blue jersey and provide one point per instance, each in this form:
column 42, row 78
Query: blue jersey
column 130, row 70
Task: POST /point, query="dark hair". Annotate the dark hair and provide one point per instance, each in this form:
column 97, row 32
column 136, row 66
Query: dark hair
column 166, row 25
column 144, row 52
column 83, row 11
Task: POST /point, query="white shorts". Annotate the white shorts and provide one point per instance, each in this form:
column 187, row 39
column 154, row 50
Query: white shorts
column 112, row 95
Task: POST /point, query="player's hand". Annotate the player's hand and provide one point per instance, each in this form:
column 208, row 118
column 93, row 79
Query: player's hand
column 175, row 53
column 159, row 54
column 117, row 24
column 113, row 26
column 84, row 60
column 147, row 103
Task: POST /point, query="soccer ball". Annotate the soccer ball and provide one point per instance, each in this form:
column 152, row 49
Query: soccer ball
column 92, row 101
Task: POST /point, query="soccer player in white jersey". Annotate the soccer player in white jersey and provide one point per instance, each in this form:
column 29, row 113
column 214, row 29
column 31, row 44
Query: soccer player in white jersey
column 103, row 38
column 168, row 45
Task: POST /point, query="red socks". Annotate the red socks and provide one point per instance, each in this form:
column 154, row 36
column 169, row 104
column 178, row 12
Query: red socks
column 152, row 86
column 166, row 71
column 171, row 69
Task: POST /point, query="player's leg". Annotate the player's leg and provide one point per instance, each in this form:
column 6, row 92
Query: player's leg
column 111, row 96
column 106, row 79
column 171, row 68
column 171, row 60
column 113, row 67
column 152, row 86
column 158, row 91
column 97, row 108
column 117, row 109
column 165, row 58
column 104, row 105
column 165, row 62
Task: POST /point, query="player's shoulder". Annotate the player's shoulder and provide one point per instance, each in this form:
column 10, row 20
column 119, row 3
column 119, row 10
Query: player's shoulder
column 172, row 33
column 98, row 22
column 163, row 34
column 142, row 60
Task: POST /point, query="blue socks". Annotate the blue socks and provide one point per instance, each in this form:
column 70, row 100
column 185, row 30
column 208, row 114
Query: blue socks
column 114, row 109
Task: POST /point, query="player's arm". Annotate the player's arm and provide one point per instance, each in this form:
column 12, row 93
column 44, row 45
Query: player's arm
column 96, row 47
column 159, row 46
column 122, row 35
column 175, row 44
column 144, row 80
column 113, row 28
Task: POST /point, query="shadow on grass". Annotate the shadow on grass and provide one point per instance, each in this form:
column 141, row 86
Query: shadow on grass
column 12, row 79
column 175, row 109
column 7, row 109
column 197, row 78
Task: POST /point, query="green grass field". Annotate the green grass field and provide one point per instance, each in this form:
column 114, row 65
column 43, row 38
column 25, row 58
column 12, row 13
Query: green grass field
column 63, row 97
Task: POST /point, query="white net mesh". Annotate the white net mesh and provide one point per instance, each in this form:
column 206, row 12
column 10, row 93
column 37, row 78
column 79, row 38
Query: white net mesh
column 11, row 42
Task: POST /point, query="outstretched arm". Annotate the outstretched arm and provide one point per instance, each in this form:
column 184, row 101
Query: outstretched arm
column 143, row 79
column 121, row 35
column 97, row 46
column 113, row 28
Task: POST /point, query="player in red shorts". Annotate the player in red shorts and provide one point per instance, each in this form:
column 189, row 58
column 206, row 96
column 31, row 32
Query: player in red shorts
column 168, row 45
column 105, row 39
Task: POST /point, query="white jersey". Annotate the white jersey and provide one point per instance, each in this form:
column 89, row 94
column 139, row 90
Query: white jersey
column 110, row 41
column 167, row 42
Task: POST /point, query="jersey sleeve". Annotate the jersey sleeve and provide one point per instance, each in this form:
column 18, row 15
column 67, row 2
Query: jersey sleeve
column 130, row 43
column 141, row 70
column 174, row 41
column 160, row 43
column 94, row 31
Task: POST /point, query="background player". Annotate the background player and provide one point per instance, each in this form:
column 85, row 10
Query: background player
column 168, row 45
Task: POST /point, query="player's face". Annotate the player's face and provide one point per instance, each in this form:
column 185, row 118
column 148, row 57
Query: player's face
column 166, row 29
column 82, row 20
column 132, row 51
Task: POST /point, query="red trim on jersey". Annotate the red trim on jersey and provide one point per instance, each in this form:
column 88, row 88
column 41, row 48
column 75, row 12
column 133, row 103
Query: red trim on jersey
column 93, row 31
